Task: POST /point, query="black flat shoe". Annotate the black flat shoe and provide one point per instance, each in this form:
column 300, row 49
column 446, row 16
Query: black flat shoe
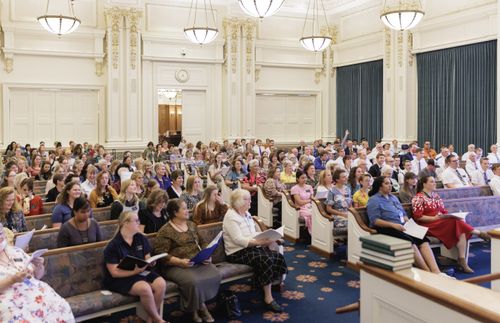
column 274, row 307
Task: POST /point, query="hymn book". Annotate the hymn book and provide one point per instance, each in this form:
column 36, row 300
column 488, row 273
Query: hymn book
column 129, row 262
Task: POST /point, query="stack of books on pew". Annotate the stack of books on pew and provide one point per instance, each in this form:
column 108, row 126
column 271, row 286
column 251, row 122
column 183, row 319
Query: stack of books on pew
column 386, row 252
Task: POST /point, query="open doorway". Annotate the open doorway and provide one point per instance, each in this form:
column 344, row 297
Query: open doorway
column 170, row 115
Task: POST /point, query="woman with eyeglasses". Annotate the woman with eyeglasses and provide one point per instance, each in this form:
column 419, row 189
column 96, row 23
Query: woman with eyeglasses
column 211, row 208
column 198, row 283
column 150, row 287
column 23, row 296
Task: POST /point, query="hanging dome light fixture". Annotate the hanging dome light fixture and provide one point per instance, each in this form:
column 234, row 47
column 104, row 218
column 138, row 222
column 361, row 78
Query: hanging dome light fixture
column 315, row 41
column 59, row 24
column 260, row 8
column 201, row 34
column 404, row 15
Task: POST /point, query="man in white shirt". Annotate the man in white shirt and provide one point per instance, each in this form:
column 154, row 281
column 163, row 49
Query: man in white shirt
column 495, row 181
column 472, row 164
column 418, row 163
column 379, row 149
column 493, row 156
column 483, row 175
column 453, row 176
column 470, row 149
column 406, row 169
column 441, row 158
column 362, row 156
column 307, row 152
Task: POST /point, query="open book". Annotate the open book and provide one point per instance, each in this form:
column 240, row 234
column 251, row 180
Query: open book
column 271, row 234
column 208, row 251
column 38, row 253
column 22, row 241
column 129, row 262
column 225, row 170
column 415, row 230
column 459, row 215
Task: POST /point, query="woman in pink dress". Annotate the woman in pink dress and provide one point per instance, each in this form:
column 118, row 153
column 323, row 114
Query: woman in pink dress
column 302, row 194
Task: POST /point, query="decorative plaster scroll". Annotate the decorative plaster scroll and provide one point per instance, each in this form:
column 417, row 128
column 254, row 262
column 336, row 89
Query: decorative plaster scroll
column 317, row 75
column 387, row 57
column 133, row 17
column 8, row 64
column 400, row 48
column 333, row 32
column 258, row 68
column 99, row 68
column 232, row 32
column 410, row 48
column 114, row 17
column 249, row 30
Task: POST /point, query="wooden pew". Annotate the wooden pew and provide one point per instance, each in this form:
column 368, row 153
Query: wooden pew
column 47, row 239
column 76, row 273
column 290, row 217
column 358, row 226
column 38, row 221
column 48, row 207
column 464, row 192
column 495, row 256
column 324, row 235
column 264, row 207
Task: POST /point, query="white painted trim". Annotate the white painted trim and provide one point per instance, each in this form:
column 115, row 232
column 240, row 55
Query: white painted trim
column 182, row 60
column 446, row 45
column 7, row 87
column 44, row 52
column 289, row 65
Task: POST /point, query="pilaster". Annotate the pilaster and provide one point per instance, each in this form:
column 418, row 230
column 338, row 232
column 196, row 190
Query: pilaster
column 124, row 112
column 400, row 109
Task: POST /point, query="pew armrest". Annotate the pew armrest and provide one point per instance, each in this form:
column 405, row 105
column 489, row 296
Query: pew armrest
column 360, row 221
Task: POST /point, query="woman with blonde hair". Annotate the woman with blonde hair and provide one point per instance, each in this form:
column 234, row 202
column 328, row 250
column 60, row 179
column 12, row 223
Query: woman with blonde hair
column 193, row 193
column 211, row 208
column 127, row 200
column 128, row 240
column 11, row 214
column 138, row 177
column 325, row 183
column 147, row 169
column 104, row 194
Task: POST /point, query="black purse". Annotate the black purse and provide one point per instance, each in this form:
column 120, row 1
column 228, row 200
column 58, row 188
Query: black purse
column 229, row 304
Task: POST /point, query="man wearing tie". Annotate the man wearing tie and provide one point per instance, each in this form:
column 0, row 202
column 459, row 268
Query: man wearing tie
column 453, row 176
column 483, row 175
column 472, row 164
column 493, row 156
column 418, row 163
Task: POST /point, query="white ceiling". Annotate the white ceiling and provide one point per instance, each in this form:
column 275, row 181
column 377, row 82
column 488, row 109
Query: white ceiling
column 333, row 7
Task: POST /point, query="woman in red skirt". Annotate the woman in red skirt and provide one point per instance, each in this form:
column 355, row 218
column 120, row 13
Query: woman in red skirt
column 429, row 211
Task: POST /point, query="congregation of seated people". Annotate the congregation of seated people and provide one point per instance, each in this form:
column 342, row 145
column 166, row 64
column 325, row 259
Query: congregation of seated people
column 170, row 190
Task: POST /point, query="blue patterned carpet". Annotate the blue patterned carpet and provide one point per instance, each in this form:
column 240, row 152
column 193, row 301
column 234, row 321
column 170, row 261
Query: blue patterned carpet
column 315, row 287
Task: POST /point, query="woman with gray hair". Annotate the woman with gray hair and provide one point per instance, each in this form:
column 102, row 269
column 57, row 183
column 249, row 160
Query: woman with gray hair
column 241, row 247
column 386, row 171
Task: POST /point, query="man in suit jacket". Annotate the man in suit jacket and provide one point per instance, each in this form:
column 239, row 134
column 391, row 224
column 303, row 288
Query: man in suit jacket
column 375, row 170
column 408, row 155
column 349, row 149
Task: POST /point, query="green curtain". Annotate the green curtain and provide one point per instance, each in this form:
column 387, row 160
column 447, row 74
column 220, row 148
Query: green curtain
column 457, row 96
column 360, row 100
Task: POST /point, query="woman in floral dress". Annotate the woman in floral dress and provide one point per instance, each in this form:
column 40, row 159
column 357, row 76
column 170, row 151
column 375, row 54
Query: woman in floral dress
column 23, row 297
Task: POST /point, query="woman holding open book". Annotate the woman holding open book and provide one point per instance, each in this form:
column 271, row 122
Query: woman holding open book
column 129, row 241
column 241, row 247
column 387, row 215
column 429, row 211
column 197, row 282
column 23, row 296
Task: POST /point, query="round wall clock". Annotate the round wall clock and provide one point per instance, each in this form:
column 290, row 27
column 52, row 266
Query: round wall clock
column 182, row 76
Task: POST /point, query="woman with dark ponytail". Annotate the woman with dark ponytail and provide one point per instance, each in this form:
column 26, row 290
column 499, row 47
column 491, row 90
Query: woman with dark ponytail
column 388, row 217
column 429, row 211
column 197, row 282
